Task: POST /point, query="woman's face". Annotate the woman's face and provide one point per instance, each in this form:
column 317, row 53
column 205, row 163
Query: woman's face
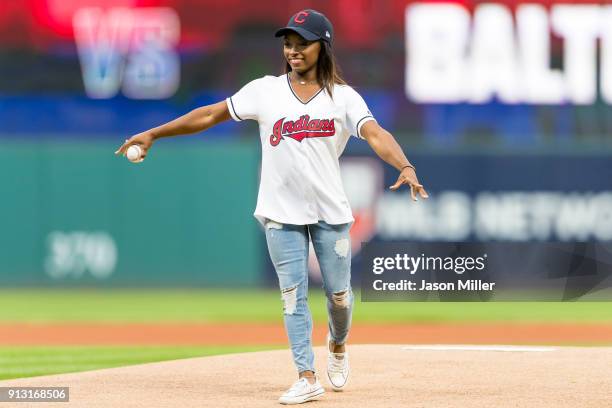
column 302, row 55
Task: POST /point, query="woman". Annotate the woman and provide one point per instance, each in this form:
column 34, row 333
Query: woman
column 305, row 119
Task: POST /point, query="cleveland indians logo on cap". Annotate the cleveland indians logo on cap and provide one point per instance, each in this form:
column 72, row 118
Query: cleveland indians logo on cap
column 299, row 17
column 301, row 129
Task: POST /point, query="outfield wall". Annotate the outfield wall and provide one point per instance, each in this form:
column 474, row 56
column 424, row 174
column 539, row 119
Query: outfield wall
column 75, row 214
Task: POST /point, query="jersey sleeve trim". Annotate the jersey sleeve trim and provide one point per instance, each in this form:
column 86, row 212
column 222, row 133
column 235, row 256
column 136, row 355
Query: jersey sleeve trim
column 232, row 110
column 361, row 122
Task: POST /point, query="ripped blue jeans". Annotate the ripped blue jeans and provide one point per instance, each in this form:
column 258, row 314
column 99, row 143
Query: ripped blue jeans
column 288, row 246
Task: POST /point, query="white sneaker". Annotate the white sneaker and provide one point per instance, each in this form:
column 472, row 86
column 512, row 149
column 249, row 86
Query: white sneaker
column 337, row 367
column 302, row 391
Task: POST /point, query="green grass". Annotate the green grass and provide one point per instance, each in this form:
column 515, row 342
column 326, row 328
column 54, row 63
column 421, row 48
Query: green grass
column 18, row 362
column 202, row 306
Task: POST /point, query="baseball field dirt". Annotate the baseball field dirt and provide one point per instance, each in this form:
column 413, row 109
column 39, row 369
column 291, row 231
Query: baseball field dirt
column 274, row 334
column 381, row 376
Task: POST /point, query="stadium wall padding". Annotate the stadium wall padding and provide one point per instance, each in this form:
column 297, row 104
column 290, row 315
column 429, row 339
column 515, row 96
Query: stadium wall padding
column 76, row 214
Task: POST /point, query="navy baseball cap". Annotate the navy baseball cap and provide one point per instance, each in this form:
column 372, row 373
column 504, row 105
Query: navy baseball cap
column 310, row 24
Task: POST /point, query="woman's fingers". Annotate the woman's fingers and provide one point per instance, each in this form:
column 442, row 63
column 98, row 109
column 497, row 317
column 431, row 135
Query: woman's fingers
column 144, row 140
column 121, row 150
column 133, row 142
column 397, row 184
column 415, row 188
column 143, row 153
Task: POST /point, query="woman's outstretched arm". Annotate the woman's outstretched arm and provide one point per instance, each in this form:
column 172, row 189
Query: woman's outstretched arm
column 195, row 121
column 385, row 146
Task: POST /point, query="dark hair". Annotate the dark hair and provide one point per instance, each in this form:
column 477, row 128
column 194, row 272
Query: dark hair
column 328, row 70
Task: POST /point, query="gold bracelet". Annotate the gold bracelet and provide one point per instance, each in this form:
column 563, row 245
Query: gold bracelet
column 408, row 165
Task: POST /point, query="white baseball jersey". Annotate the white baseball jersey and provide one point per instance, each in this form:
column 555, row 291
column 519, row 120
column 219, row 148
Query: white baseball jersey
column 301, row 143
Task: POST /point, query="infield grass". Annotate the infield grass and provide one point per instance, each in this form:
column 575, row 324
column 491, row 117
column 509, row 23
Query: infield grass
column 18, row 362
column 264, row 306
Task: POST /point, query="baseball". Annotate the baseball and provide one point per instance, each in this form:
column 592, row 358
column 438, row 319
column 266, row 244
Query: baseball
column 133, row 153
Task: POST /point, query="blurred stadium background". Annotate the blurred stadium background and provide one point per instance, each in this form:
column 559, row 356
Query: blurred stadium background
column 504, row 107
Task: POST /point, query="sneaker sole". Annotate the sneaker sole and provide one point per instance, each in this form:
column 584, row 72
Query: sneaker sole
column 304, row 398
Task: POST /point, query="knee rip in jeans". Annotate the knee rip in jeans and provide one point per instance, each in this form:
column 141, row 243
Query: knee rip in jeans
column 341, row 299
column 289, row 296
column 342, row 247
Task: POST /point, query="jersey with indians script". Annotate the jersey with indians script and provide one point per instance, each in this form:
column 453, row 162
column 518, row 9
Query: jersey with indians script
column 301, row 143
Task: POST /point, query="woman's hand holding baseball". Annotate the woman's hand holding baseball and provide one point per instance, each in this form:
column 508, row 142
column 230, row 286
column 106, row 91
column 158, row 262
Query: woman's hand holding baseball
column 144, row 140
column 408, row 176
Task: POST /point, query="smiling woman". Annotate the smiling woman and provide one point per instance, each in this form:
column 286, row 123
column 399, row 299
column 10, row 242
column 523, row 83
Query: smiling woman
column 300, row 54
column 306, row 117
column 311, row 66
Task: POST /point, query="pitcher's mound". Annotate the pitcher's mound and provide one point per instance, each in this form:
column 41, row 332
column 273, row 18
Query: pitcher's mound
column 381, row 376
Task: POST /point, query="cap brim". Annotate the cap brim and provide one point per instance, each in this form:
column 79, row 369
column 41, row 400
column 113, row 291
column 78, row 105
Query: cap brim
column 304, row 33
